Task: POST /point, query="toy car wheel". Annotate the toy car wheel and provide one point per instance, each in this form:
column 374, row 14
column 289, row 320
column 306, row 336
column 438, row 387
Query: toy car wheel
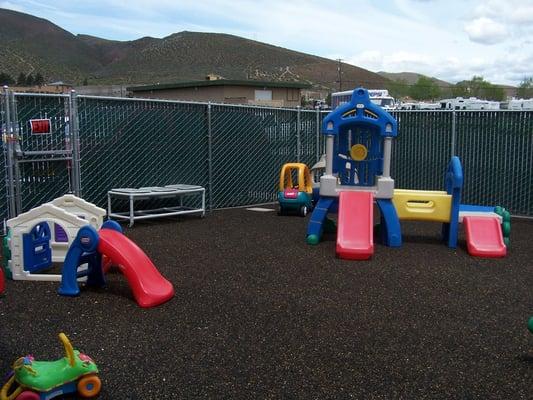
column 28, row 395
column 89, row 386
column 281, row 211
column 303, row 211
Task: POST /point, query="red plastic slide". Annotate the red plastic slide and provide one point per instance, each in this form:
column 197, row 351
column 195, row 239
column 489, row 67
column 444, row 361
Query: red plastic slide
column 355, row 233
column 149, row 287
column 484, row 237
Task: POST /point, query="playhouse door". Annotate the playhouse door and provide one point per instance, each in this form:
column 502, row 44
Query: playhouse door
column 37, row 251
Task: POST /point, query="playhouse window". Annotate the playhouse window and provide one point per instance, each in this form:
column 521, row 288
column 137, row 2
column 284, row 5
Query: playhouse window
column 60, row 235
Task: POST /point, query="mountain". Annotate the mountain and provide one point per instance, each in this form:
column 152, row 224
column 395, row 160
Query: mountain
column 31, row 44
column 411, row 78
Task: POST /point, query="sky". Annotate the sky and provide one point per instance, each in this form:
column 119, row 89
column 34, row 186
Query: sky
column 451, row 40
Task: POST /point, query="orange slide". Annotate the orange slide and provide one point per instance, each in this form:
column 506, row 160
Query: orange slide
column 355, row 232
column 149, row 287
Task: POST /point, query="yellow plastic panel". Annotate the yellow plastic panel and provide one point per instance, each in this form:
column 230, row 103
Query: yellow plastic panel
column 422, row 205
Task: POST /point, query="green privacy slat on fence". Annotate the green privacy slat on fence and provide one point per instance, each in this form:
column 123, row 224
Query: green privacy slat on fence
column 134, row 142
column 310, row 124
column 249, row 146
column 422, row 150
column 496, row 149
column 140, row 143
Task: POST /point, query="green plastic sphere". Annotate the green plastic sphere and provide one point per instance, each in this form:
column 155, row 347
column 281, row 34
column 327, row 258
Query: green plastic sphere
column 530, row 324
column 312, row 239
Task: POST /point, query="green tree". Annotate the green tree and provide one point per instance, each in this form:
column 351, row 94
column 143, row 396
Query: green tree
column 30, row 81
column 21, row 80
column 85, row 82
column 480, row 88
column 398, row 89
column 39, row 79
column 525, row 89
column 6, row 79
column 425, row 89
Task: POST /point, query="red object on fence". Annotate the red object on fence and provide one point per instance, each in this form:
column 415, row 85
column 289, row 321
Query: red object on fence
column 40, row 126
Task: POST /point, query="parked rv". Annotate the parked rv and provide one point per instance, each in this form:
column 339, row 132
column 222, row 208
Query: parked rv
column 380, row 97
column 518, row 105
column 472, row 103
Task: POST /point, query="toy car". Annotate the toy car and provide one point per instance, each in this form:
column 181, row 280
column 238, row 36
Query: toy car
column 40, row 380
column 295, row 189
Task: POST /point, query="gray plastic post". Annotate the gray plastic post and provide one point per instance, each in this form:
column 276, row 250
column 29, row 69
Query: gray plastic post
column 329, row 154
column 387, row 151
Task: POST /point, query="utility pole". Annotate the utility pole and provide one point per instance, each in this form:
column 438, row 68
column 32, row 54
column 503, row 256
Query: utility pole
column 339, row 71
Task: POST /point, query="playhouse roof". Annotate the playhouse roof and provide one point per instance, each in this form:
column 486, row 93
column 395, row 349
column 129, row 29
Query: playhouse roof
column 70, row 199
column 45, row 212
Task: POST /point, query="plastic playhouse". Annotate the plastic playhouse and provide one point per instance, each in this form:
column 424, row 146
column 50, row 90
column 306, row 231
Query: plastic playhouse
column 359, row 138
column 66, row 231
column 43, row 380
column 38, row 238
column 149, row 287
column 295, row 189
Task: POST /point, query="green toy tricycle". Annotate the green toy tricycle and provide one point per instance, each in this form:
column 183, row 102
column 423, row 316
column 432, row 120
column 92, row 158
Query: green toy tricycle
column 43, row 380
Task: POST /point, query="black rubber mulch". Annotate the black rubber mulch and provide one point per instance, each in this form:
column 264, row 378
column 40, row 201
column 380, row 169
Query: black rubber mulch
column 259, row 314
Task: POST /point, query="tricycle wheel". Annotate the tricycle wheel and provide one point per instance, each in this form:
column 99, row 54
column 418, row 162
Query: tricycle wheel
column 89, row 386
column 28, row 395
column 303, row 211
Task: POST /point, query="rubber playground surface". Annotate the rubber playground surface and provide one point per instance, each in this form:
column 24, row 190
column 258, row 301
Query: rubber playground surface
column 259, row 314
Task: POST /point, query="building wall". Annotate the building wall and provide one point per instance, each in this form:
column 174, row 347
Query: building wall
column 281, row 97
column 103, row 90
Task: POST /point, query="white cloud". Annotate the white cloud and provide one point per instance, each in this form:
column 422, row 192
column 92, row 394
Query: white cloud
column 486, row 31
column 506, row 11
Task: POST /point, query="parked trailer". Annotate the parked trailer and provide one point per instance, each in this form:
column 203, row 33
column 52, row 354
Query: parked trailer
column 471, row 103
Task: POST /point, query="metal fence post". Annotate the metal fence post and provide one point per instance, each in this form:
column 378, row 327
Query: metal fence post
column 7, row 136
column 454, row 132
column 298, row 133
column 16, row 153
column 318, row 152
column 74, row 129
column 209, row 157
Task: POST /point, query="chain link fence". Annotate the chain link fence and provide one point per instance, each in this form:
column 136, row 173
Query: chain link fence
column 129, row 143
column 42, row 179
column 3, row 181
column 422, row 150
column 236, row 152
column 496, row 149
